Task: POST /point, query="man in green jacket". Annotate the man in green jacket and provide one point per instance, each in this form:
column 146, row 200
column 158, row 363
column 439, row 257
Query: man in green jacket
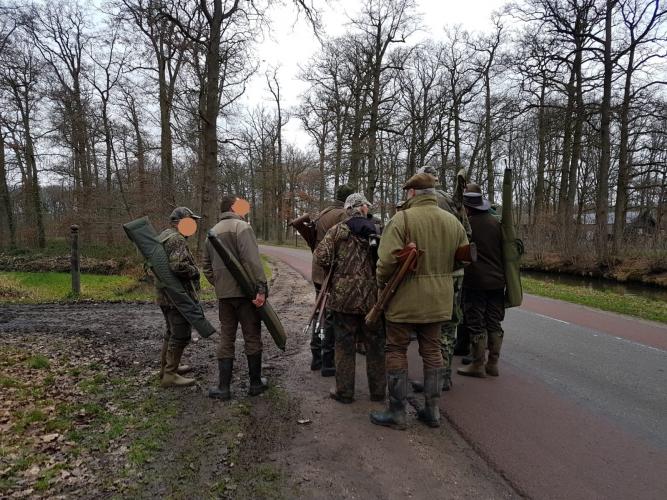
column 423, row 301
column 449, row 327
column 233, row 306
column 179, row 331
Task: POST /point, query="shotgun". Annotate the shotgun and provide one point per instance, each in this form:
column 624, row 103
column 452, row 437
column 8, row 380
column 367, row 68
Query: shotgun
column 320, row 302
column 407, row 259
column 306, row 228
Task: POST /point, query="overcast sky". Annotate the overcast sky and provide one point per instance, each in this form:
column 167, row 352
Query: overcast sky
column 291, row 43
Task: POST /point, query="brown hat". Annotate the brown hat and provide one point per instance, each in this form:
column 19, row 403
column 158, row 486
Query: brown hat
column 476, row 201
column 420, row 181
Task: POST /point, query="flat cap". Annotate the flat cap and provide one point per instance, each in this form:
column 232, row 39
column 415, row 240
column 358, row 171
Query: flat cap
column 420, row 181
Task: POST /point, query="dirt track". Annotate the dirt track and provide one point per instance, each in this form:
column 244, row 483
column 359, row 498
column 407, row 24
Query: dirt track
column 249, row 447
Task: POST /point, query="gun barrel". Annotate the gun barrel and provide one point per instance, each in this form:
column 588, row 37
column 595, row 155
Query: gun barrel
column 410, row 256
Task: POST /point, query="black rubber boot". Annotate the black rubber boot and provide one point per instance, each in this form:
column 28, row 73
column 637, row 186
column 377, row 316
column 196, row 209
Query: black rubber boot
column 315, row 348
column 225, row 378
column 430, row 414
column 316, row 362
column 462, row 346
column 394, row 416
column 258, row 384
column 328, row 350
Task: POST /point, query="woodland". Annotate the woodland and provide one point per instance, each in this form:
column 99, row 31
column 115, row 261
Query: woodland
column 119, row 109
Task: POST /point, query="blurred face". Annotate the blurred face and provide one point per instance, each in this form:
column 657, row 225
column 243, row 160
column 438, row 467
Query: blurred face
column 410, row 194
column 364, row 209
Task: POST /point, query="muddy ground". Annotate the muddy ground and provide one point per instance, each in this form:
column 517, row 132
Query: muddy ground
column 82, row 416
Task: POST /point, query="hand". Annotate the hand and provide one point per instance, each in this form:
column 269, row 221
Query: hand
column 259, row 300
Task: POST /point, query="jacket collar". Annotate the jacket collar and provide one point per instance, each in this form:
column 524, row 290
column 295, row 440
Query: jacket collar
column 230, row 215
column 421, row 200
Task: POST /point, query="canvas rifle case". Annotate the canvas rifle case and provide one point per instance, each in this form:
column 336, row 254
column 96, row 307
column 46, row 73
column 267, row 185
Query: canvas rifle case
column 248, row 287
column 512, row 247
column 144, row 236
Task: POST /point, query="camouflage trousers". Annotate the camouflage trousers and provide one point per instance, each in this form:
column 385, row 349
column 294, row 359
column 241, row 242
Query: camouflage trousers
column 448, row 330
column 348, row 328
column 179, row 331
column 484, row 312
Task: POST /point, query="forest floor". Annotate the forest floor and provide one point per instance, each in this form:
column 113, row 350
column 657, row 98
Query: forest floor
column 83, row 416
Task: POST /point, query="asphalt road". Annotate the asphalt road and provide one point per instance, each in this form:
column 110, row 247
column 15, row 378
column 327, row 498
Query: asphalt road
column 580, row 407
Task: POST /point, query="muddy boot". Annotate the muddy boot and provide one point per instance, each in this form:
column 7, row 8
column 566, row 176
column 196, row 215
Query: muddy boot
column 341, row 398
column 183, row 369
column 495, row 343
column 417, row 385
column 394, row 416
column 476, row 368
column 170, row 378
column 223, row 391
column 430, row 414
column 258, row 384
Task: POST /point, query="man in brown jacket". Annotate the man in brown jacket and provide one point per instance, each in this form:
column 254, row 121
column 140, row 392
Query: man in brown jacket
column 233, row 306
column 323, row 349
column 346, row 248
column 484, row 289
column 423, row 301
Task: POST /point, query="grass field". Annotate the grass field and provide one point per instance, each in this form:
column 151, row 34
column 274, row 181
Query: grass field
column 35, row 288
column 632, row 305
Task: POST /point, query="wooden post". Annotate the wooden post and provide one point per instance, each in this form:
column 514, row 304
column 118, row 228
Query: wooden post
column 74, row 261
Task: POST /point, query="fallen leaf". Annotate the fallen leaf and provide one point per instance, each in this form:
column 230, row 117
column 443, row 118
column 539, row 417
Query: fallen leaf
column 303, row 421
column 47, row 438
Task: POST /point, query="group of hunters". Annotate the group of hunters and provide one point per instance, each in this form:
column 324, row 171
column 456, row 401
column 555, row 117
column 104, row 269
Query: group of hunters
column 435, row 270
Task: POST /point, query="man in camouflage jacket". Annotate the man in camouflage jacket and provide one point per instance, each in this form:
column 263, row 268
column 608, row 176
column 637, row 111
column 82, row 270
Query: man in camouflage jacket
column 179, row 331
column 323, row 349
column 346, row 249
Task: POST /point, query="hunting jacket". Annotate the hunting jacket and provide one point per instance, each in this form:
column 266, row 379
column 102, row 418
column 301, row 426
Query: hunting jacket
column 181, row 262
column 425, row 296
column 324, row 221
column 353, row 284
column 239, row 238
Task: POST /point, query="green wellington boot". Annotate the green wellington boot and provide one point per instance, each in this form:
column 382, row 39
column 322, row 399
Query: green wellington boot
column 394, row 416
column 430, row 414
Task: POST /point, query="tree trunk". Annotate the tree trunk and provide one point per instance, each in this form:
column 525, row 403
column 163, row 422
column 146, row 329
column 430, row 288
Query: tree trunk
column 5, row 199
column 623, row 158
column 487, row 138
column 602, row 201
